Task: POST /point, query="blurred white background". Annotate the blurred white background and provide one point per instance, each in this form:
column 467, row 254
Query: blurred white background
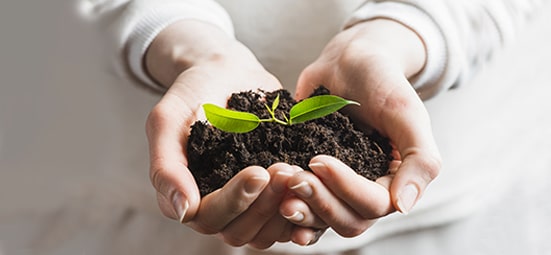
column 73, row 158
column 72, row 140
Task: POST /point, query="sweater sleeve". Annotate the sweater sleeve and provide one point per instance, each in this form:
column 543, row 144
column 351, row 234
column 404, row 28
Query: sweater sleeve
column 131, row 26
column 459, row 36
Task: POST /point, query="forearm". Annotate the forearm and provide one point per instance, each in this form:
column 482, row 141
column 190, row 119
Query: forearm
column 391, row 41
column 187, row 43
column 459, row 36
column 129, row 27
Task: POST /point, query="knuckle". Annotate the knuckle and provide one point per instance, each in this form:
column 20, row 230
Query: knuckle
column 325, row 209
column 238, row 206
column 263, row 213
column 158, row 115
column 432, row 165
column 204, row 227
column 156, row 177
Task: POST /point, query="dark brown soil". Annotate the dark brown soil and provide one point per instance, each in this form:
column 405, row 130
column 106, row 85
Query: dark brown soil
column 216, row 156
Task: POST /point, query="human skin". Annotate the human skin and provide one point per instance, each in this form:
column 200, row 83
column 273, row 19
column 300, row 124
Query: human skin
column 369, row 63
column 199, row 63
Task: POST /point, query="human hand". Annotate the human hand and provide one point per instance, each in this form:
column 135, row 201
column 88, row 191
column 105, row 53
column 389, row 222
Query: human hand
column 199, row 64
column 369, row 63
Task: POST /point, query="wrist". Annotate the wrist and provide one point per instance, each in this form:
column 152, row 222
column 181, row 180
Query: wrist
column 392, row 41
column 189, row 43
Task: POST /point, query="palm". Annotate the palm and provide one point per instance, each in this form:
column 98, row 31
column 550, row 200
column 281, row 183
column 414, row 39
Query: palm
column 388, row 103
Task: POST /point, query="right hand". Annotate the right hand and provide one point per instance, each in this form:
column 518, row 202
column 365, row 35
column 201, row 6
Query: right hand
column 369, row 63
column 244, row 210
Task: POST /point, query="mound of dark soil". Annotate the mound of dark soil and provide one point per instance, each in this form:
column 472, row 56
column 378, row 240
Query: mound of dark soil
column 216, row 156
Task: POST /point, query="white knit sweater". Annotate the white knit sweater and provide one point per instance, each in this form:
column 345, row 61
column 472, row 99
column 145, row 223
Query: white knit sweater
column 286, row 35
column 458, row 35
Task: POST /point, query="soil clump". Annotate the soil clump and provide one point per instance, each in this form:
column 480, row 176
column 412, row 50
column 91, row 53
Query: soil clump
column 216, row 156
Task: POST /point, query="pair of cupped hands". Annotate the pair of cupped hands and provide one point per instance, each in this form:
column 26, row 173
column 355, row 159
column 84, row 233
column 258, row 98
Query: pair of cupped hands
column 369, row 62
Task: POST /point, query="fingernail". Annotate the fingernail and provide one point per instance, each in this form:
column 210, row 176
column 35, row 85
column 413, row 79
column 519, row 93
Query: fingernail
column 255, row 184
column 317, row 166
column 179, row 208
column 316, row 237
column 282, row 173
column 302, row 189
column 279, row 183
column 297, row 168
column 407, row 198
column 296, row 217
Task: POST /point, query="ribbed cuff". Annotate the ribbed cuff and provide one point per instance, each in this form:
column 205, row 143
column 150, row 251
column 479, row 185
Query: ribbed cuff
column 155, row 20
column 428, row 81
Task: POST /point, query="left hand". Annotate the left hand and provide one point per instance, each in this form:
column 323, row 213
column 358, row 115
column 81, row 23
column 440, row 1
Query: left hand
column 198, row 63
column 369, row 63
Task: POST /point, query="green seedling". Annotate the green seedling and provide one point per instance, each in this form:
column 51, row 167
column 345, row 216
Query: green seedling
column 243, row 122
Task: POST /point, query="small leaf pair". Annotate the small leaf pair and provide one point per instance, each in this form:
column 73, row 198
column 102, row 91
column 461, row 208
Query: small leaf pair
column 243, row 122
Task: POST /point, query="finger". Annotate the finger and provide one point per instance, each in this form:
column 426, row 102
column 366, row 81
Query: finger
column 247, row 225
column 297, row 211
column 414, row 174
column 310, row 79
column 333, row 211
column 274, row 230
column 285, row 235
column 167, row 208
column 393, row 166
column 369, row 199
column 222, row 206
column 399, row 114
column 420, row 159
column 385, row 181
column 178, row 195
column 306, row 236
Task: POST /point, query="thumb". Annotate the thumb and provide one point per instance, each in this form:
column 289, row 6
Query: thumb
column 419, row 155
column 167, row 129
column 403, row 117
column 310, row 79
column 413, row 176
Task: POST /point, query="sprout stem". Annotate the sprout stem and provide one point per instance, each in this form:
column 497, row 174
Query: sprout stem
column 274, row 119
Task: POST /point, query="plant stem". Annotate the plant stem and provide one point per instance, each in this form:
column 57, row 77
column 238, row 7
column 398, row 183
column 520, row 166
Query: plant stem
column 274, row 119
column 272, row 113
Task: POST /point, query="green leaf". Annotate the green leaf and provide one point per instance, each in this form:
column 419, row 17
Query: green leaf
column 317, row 107
column 275, row 104
column 229, row 120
